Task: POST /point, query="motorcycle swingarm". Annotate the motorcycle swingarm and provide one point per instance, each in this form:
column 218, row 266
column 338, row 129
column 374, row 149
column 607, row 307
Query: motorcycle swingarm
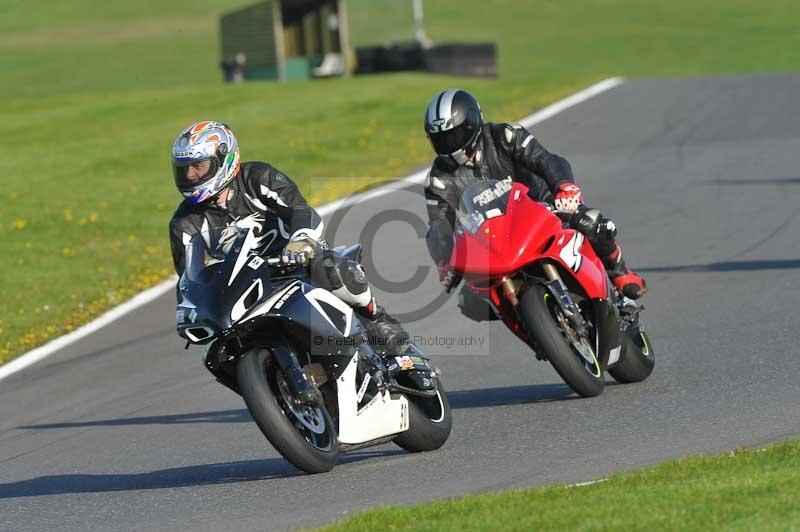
column 419, row 364
column 399, row 388
column 629, row 311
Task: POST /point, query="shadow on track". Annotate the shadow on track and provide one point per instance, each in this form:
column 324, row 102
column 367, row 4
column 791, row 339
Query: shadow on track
column 179, row 477
column 478, row 398
column 512, row 395
column 219, row 416
column 773, row 181
column 732, row 266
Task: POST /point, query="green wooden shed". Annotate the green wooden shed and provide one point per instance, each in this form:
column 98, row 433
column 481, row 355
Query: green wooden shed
column 285, row 40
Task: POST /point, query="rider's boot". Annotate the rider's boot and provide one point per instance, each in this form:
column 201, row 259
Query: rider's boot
column 602, row 232
column 629, row 283
column 386, row 336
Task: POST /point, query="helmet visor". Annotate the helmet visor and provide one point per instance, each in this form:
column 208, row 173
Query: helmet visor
column 191, row 174
column 452, row 140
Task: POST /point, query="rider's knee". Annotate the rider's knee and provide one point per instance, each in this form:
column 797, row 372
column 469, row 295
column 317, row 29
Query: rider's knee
column 348, row 281
column 592, row 224
column 585, row 220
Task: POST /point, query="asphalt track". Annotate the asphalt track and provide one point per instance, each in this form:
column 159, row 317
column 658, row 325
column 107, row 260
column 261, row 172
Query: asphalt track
column 124, row 430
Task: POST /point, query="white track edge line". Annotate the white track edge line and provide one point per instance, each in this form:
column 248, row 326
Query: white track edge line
column 140, row 299
column 587, row 483
column 31, row 357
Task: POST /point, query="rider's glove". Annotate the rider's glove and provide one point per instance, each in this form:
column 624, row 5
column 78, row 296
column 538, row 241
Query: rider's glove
column 291, row 258
column 447, row 276
column 568, row 197
column 298, row 252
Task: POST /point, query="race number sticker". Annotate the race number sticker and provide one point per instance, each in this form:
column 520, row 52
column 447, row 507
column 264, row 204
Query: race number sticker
column 405, row 362
column 571, row 253
column 256, row 262
column 492, row 193
column 363, row 388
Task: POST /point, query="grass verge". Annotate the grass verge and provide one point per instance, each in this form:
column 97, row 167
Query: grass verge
column 739, row 490
column 95, row 91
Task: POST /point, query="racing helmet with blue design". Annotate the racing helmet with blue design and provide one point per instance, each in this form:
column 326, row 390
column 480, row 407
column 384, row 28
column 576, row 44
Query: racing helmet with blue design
column 204, row 141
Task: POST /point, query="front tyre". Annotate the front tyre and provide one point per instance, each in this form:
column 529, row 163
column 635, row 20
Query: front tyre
column 573, row 358
column 429, row 422
column 304, row 435
column 637, row 359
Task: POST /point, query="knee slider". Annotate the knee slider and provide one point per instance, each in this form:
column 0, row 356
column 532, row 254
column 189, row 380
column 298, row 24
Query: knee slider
column 586, row 220
column 349, row 283
column 327, row 269
column 352, row 276
column 607, row 230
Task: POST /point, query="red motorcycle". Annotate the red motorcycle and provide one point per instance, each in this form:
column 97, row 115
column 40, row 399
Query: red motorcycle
column 546, row 283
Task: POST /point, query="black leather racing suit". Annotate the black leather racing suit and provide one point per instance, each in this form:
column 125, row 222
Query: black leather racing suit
column 505, row 150
column 260, row 197
column 266, row 200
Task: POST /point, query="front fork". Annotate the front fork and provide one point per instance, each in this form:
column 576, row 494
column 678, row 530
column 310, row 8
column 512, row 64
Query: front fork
column 555, row 285
column 511, row 287
column 302, row 388
column 557, row 289
column 606, row 317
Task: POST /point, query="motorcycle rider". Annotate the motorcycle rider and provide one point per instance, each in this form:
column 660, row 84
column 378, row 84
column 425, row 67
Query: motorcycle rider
column 220, row 191
column 469, row 150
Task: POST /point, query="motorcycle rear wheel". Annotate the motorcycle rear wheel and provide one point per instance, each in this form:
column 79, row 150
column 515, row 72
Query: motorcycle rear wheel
column 637, row 360
column 429, row 422
column 304, row 435
column 545, row 322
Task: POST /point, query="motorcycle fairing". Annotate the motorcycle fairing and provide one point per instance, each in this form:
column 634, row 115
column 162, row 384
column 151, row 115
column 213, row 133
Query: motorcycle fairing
column 577, row 256
column 325, row 323
column 381, row 416
column 525, row 233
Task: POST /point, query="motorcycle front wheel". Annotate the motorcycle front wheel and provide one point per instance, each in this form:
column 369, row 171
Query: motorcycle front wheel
column 574, row 358
column 303, row 434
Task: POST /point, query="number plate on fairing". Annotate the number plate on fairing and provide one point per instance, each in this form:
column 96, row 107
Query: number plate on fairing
column 571, row 252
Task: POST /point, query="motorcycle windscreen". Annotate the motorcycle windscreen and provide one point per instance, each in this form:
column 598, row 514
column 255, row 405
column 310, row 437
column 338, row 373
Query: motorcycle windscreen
column 499, row 228
column 481, row 202
column 209, row 247
column 224, row 274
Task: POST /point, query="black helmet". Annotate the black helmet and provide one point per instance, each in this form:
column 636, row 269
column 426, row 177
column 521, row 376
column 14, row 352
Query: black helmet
column 453, row 123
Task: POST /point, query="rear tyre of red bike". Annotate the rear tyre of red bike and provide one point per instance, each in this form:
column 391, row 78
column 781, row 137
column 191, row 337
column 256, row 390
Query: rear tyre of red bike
column 576, row 363
column 638, row 358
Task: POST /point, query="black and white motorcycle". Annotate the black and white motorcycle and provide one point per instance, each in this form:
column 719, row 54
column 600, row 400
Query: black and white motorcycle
column 298, row 356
